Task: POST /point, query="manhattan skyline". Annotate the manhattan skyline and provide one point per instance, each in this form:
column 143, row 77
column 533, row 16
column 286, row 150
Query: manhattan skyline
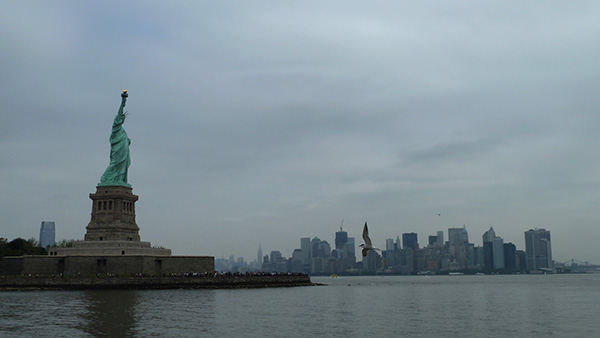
column 473, row 261
column 269, row 122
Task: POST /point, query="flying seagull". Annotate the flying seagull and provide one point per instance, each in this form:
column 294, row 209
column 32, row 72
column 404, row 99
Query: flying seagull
column 368, row 245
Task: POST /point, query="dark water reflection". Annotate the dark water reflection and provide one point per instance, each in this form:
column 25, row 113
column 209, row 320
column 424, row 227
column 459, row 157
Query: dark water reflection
column 177, row 313
column 109, row 313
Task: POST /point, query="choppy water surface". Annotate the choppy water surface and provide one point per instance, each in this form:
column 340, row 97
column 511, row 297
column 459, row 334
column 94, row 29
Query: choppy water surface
column 402, row 306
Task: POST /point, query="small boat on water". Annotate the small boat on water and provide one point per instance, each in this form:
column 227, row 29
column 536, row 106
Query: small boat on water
column 455, row 273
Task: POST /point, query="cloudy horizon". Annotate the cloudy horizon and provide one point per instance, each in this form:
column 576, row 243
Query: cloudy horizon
column 267, row 122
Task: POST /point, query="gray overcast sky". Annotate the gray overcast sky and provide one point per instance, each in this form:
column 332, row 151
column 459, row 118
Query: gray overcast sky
column 269, row 121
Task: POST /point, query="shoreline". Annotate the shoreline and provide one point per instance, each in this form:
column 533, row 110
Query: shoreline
column 20, row 283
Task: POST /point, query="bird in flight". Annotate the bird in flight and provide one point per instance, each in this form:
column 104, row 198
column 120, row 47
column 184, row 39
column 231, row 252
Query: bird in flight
column 368, row 245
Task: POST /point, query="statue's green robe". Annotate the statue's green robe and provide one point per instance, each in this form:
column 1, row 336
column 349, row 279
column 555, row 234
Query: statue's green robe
column 116, row 172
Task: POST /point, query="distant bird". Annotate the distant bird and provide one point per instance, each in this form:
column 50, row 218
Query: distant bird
column 368, row 245
column 439, row 214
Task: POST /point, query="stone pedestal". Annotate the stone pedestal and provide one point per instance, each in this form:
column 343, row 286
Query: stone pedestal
column 113, row 215
column 112, row 242
column 112, row 229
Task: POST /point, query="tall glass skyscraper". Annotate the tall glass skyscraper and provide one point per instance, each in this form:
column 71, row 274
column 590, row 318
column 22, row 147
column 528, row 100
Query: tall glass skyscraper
column 488, row 248
column 349, row 253
column 409, row 240
column 538, row 249
column 498, row 253
column 341, row 238
column 47, row 234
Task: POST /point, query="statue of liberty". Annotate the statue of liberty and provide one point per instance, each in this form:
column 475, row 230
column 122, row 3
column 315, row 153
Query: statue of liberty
column 116, row 173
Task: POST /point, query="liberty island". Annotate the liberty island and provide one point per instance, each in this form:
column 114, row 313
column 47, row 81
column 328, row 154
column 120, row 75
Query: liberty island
column 112, row 246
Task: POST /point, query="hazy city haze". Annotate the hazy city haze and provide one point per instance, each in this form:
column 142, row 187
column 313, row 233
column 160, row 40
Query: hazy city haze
column 270, row 121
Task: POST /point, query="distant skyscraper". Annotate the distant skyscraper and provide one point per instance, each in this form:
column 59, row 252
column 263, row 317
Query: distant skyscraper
column 320, row 248
column 297, row 261
column 488, row 248
column 259, row 254
column 341, row 237
column 479, row 256
column 389, row 244
column 489, row 235
column 538, row 249
column 305, row 246
column 350, row 247
column 326, row 249
column 390, row 252
column 458, row 238
column 432, row 240
column 275, row 255
column 498, row 252
column 440, row 238
column 471, row 255
column 510, row 256
column 47, row 234
column 315, row 248
column 488, row 255
column 458, row 235
column 521, row 260
column 409, row 240
column 320, row 255
column 349, row 256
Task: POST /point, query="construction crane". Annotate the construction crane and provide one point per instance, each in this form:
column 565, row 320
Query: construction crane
column 574, row 262
column 577, row 266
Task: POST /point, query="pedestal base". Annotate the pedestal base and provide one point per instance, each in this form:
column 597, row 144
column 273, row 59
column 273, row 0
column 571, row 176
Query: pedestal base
column 95, row 248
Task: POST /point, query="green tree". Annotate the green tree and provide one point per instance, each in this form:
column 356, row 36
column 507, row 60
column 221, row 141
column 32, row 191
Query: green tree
column 20, row 247
column 3, row 246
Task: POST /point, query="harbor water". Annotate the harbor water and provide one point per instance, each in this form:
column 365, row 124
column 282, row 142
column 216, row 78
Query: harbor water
column 379, row 306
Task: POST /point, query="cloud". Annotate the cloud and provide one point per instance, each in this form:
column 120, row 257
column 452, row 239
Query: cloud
column 266, row 123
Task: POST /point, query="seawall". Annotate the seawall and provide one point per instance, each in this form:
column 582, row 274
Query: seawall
column 145, row 283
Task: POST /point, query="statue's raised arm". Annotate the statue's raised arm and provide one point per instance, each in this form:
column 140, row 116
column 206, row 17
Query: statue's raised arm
column 116, row 172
